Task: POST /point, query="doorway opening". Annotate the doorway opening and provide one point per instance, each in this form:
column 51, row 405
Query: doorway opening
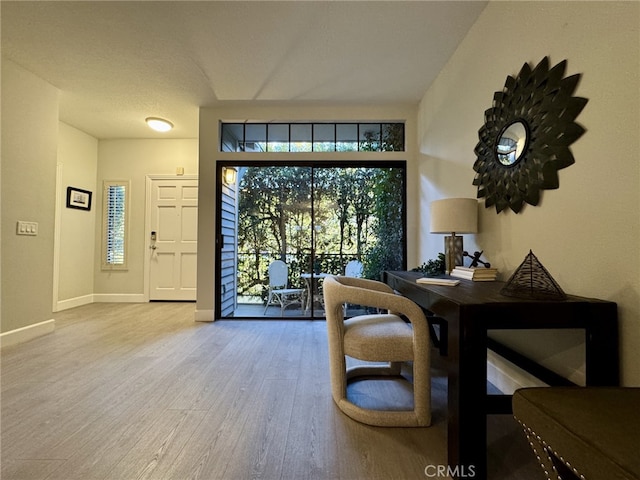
column 317, row 218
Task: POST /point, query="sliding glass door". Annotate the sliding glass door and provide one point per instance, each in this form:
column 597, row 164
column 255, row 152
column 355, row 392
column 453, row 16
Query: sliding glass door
column 310, row 218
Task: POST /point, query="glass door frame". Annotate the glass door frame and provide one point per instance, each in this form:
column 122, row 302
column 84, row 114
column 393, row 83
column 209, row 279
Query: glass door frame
column 223, row 164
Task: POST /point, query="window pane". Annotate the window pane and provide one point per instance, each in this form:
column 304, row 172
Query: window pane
column 369, row 137
column 347, row 137
column 324, row 137
column 300, row 137
column 232, row 137
column 114, row 225
column 278, row 136
column 392, row 137
column 317, row 219
column 255, row 137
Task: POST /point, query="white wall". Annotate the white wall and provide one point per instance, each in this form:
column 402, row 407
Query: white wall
column 133, row 160
column 77, row 167
column 41, row 156
column 586, row 232
column 29, row 151
column 210, row 119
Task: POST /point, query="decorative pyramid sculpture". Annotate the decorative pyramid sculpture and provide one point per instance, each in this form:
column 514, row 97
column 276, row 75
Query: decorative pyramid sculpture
column 532, row 280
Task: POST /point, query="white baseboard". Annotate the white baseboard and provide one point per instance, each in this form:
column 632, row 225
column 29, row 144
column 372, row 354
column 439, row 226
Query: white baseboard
column 204, row 316
column 119, row 298
column 74, row 302
column 24, row 334
column 506, row 377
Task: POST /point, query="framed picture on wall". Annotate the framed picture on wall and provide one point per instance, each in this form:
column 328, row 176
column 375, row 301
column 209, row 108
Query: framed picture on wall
column 78, row 198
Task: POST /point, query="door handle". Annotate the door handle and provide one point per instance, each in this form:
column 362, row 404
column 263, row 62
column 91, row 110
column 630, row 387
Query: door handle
column 152, row 247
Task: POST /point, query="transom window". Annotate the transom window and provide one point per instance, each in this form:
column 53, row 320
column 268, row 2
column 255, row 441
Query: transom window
column 312, row 137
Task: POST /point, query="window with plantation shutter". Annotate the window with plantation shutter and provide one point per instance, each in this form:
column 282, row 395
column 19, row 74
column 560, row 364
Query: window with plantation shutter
column 115, row 219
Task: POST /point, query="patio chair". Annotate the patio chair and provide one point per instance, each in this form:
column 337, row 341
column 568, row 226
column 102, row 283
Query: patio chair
column 385, row 337
column 279, row 293
column 353, row 269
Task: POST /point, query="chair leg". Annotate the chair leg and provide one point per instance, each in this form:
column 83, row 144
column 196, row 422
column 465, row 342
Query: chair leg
column 278, row 298
column 268, row 302
column 422, row 391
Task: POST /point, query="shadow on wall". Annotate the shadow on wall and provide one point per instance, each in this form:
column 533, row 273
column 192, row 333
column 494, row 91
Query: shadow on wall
column 629, row 333
column 441, row 178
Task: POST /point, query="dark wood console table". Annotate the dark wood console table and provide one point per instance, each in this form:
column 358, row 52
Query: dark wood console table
column 465, row 313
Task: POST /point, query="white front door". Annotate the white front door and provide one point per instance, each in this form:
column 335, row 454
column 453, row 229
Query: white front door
column 172, row 238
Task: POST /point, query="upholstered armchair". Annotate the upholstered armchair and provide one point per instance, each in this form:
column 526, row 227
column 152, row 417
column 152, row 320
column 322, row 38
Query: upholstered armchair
column 398, row 335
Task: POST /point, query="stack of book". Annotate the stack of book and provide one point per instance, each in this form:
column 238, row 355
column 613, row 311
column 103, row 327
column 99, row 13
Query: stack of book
column 438, row 281
column 480, row 274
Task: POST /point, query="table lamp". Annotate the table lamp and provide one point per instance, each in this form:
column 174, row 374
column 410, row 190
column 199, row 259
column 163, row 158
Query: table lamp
column 452, row 216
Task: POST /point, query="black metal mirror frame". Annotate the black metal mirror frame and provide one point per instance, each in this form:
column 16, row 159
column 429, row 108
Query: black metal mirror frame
column 542, row 100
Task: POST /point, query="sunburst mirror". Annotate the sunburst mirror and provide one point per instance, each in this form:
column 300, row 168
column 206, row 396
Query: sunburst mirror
column 526, row 136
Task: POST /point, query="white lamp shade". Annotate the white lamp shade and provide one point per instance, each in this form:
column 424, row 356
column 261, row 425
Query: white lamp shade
column 459, row 215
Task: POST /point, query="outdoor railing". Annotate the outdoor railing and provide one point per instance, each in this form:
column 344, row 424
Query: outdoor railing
column 253, row 279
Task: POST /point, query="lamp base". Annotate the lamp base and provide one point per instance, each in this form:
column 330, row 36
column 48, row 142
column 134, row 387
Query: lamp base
column 452, row 252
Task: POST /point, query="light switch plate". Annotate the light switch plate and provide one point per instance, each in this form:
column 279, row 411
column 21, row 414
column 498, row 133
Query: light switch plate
column 27, row 228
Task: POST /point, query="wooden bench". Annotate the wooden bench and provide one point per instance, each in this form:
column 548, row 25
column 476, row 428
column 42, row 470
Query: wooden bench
column 590, row 433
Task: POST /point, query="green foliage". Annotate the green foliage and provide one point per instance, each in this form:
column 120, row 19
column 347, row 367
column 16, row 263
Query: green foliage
column 273, row 217
column 432, row 268
column 386, row 252
column 357, row 214
column 389, row 138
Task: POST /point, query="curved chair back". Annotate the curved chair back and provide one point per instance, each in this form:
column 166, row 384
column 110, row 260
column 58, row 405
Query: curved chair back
column 278, row 274
column 353, row 269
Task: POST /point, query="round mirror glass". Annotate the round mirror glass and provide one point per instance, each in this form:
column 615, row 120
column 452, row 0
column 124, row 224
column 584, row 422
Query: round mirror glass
column 511, row 144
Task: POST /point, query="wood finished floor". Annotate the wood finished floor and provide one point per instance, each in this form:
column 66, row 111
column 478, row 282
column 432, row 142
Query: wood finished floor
column 141, row 391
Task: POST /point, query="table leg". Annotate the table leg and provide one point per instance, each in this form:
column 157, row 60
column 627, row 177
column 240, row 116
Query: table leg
column 467, row 429
column 601, row 345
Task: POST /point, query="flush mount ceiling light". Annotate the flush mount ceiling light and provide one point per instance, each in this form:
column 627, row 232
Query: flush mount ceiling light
column 159, row 124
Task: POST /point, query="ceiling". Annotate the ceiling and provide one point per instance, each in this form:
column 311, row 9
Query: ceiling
column 116, row 63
